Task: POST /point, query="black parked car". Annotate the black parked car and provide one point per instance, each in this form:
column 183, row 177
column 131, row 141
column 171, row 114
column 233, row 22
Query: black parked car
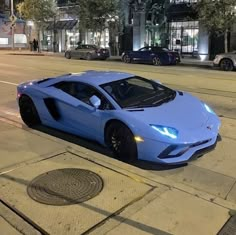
column 153, row 55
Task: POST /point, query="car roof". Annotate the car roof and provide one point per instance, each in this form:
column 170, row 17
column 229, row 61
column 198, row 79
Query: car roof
column 91, row 77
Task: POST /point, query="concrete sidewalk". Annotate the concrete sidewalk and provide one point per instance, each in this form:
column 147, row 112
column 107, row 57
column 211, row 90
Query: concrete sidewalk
column 187, row 61
column 132, row 201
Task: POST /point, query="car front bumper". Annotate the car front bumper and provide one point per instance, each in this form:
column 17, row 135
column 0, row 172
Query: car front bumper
column 165, row 153
column 101, row 55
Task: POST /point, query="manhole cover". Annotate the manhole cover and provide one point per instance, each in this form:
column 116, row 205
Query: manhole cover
column 230, row 227
column 65, row 186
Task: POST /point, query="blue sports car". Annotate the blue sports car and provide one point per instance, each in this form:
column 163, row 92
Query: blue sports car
column 152, row 55
column 137, row 118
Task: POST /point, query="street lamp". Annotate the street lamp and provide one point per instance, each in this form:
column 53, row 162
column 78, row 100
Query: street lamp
column 12, row 24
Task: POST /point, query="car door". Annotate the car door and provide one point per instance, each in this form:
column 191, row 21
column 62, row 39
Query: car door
column 142, row 54
column 163, row 54
column 84, row 51
column 76, row 52
column 77, row 112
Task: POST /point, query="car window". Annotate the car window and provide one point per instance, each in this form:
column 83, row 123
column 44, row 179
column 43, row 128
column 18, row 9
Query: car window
column 91, row 46
column 160, row 49
column 84, row 92
column 145, row 49
column 137, row 92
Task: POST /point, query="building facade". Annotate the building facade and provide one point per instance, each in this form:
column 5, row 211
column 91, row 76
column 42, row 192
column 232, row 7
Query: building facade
column 63, row 32
column 13, row 31
column 174, row 24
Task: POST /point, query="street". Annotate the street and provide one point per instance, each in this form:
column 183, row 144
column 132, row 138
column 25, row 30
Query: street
column 211, row 178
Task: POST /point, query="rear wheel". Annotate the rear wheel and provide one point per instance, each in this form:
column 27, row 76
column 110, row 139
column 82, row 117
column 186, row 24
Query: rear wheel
column 126, row 59
column 226, row 65
column 28, row 111
column 68, row 55
column 156, row 61
column 121, row 141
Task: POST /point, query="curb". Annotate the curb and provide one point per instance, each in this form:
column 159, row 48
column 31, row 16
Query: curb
column 26, row 54
column 115, row 59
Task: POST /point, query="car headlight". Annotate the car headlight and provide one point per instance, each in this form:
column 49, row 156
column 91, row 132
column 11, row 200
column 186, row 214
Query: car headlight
column 208, row 109
column 167, row 131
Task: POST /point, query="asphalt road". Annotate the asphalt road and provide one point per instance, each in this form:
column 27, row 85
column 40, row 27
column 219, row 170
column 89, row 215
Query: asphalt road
column 214, row 87
column 26, row 151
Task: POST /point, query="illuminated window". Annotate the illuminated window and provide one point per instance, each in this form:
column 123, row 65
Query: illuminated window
column 3, row 41
column 182, row 1
column 183, row 36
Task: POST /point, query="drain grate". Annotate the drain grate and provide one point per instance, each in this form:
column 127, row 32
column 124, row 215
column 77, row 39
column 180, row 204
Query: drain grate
column 230, row 227
column 65, row 186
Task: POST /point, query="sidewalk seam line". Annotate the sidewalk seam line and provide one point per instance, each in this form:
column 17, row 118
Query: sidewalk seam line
column 230, row 190
column 24, row 217
column 118, row 211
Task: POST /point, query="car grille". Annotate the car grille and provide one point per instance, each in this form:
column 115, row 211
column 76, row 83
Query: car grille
column 167, row 152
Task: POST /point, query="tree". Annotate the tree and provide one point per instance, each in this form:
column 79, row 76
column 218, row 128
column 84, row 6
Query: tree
column 217, row 16
column 95, row 15
column 156, row 20
column 39, row 11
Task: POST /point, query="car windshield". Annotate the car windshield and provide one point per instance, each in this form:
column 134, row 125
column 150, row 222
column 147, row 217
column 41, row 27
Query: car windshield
column 92, row 46
column 137, row 92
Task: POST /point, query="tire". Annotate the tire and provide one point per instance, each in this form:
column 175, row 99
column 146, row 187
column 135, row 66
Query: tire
column 126, row 59
column 121, row 141
column 68, row 55
column 28, row 111
column 88, row 56
column 156, row 61
column 226, row 65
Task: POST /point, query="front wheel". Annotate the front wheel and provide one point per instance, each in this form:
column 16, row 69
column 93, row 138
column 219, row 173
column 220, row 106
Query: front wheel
column 88, row 56
column 121, row 141
column 226, row 65
column 156, row 61
column 28, row 111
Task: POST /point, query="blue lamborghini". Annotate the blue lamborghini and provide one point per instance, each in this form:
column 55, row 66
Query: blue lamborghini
column 137, row 118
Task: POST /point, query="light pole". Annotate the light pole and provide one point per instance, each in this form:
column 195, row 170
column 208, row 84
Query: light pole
column 12, row 24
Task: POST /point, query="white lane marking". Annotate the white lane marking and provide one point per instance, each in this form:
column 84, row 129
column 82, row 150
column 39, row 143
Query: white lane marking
column 9, row 83
column 12, row 114
column 13, row 123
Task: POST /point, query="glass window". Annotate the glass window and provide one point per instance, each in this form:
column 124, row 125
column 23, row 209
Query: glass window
column 182, row 1
column 137, row 92
column 83, row 92
column 144, row 49
column 184, row 36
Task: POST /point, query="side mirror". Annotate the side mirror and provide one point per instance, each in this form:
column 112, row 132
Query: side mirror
column 95, row 101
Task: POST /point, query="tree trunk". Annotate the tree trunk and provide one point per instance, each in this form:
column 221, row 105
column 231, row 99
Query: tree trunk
column 39, row 42
column 226, row 41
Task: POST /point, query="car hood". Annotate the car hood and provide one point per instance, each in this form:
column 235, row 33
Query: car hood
column 227, row 54
column 185, row 111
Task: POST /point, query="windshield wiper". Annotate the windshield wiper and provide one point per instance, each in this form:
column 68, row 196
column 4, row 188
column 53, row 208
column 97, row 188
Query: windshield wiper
column 141, row 104
column 165, row 99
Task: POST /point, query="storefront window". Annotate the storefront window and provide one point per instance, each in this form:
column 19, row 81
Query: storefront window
column 47, row 41
column 184, row 36
column 72, row 39
column 182, row 1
